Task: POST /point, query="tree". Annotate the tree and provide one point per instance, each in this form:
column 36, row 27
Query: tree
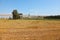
column 15, row 14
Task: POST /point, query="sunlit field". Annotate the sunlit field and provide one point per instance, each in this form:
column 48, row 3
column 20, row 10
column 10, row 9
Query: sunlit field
column 29, row 29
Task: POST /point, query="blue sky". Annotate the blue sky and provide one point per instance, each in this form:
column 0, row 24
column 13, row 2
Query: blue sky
column 33, row 7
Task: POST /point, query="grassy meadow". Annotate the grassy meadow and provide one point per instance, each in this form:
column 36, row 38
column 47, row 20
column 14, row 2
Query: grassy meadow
column 30, row 29
column 29, row 23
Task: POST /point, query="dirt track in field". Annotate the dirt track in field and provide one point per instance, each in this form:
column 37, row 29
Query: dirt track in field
column 33, row 31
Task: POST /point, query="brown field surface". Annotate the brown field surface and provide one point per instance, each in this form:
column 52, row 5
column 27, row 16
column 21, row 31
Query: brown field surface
column 29, row 29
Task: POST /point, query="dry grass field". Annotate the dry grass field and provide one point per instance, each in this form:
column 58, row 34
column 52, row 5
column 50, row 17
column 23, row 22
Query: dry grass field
column 29, row 29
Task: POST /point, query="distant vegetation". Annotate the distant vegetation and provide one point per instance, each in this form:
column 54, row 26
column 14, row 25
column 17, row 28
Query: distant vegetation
column 17, row 15
column 52, row 17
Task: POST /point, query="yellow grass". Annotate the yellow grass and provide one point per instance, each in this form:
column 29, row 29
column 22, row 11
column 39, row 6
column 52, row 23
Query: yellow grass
column 29, row 30
column 29, row 23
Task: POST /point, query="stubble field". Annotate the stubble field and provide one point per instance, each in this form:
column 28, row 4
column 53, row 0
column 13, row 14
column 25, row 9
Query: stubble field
column 29, row 29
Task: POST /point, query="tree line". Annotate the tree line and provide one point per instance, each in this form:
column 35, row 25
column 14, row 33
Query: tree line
column 17, row 15
column 52, row 17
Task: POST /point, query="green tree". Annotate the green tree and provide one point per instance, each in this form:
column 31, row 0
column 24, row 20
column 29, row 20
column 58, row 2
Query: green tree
column 15, row 14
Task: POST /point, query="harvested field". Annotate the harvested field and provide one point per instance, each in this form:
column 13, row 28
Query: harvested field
column 29, row 30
